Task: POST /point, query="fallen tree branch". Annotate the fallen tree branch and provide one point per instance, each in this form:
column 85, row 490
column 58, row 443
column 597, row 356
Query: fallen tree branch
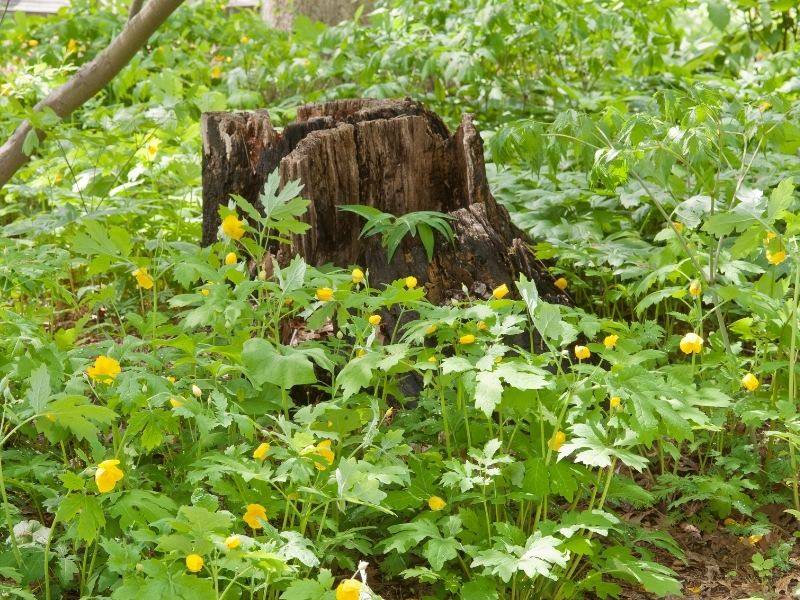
column 88, row 80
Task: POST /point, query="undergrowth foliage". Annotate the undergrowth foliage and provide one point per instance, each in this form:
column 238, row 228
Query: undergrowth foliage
column 187, row 422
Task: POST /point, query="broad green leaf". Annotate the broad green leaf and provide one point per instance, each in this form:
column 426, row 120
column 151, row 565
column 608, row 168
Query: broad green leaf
column 285, row 368
column 719, row 15
column 201, row 522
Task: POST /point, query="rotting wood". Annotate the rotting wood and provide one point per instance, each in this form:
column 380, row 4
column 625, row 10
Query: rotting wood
column 394, row 155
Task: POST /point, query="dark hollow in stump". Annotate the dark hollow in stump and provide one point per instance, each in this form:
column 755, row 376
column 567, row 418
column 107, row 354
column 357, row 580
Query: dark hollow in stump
column 394, row 155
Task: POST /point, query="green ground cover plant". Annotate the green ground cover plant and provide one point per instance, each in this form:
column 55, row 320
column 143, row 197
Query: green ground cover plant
column 156, row 434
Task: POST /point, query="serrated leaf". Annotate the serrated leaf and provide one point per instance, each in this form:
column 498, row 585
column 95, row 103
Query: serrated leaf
column 439, row 550
column 407, row 535
column 303, row 589
column 781, row 198
column 141, row 507
column 357, row 373
column 76, row 414
column 91, row 518
column 71, row 481
column 39, row 392
column 174, row 583
column 488, row 391
column 291, row 278
column 536, row 558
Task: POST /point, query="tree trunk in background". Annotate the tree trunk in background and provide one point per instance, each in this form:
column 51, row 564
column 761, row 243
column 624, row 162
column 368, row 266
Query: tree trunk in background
column 394, row 155
column 280, row 14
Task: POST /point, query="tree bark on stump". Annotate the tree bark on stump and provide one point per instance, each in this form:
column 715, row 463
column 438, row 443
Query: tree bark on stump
column 394, row 155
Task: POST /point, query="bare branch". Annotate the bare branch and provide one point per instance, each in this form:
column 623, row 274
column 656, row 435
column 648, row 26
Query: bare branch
column 136, row 6
column 89, row 79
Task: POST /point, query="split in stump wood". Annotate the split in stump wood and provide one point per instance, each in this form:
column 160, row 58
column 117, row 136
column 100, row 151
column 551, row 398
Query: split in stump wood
column 393, row 155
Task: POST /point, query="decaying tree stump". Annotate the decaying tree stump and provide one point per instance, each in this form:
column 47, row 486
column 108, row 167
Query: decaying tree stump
column 394, row 155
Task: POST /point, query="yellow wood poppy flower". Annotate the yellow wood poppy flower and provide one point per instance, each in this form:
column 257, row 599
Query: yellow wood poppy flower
column 142, row 278
column 105, row 369
column 691, row 342
column 349, row 589
column 107, row 475
column 232, row 226
column 253, row 513
column 194, row 562
column 582, row 352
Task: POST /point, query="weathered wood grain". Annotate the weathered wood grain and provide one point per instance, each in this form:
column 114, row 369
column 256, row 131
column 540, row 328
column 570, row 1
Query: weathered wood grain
column 394, row 155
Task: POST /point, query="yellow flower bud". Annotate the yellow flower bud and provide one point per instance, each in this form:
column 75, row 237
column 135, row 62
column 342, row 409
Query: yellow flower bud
column 501, row 291
column 557, row 440
column 232, row 542
column 325, row 294
column 751, row 382
column 230, row 258
column 696, row 288
column 411, row 282
column 358, row 275
column 561, row 283
column 261, row 452
column 466, row 339
column 375, row 320
column 436, row 503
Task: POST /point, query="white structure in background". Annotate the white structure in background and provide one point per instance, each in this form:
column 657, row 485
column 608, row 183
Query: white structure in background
column 50, row 7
